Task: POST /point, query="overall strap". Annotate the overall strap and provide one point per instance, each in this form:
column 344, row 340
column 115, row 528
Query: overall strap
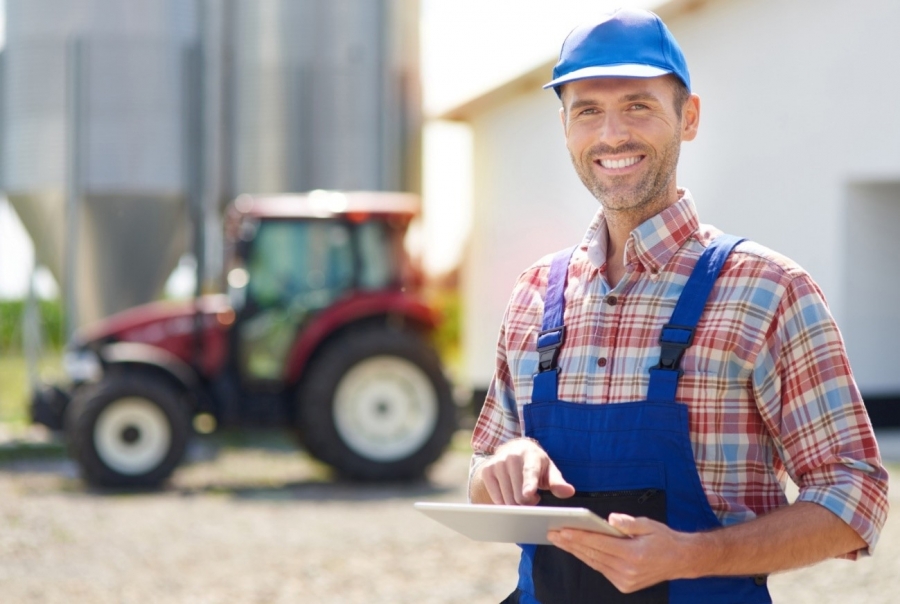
column 678, row 334
column 553, row 332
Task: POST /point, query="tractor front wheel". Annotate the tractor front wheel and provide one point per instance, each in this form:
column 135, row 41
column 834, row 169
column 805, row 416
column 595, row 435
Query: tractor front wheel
column 127, row 431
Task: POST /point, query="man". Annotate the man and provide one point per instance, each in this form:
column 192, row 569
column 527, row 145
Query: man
column 665, row 374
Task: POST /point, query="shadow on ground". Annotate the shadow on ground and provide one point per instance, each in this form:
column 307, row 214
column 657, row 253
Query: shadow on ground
column 251, row 465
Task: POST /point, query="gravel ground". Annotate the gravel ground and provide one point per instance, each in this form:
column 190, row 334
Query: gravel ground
column 264, row 524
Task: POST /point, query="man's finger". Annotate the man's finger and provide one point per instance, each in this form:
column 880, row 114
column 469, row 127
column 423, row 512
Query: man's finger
column 492, row 486
column 556, row 483
column 497, row 482
column 532, row 475
column 508, row 486
column 568, row 540
column 630, row 525
column 524, row 482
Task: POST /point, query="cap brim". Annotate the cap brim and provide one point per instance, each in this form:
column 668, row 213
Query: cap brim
column 610, row 71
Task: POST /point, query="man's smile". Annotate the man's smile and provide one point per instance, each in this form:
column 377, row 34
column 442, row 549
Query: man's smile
column 619, row 163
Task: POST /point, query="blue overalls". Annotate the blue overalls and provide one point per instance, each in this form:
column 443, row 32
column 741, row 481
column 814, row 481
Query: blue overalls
column 634, row 458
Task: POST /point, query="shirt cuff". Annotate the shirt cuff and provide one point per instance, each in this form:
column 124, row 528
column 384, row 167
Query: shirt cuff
column 846, row 501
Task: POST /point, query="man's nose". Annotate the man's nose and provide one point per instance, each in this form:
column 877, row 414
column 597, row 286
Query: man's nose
column 612, row 130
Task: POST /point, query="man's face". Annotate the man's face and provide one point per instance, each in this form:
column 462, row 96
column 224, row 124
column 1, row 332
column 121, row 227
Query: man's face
column 624, row 136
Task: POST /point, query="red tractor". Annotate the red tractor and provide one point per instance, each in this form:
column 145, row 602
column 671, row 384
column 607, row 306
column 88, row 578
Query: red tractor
column 321, row 331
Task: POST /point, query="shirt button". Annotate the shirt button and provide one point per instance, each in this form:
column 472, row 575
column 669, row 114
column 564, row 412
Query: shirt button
column 611, row 300
column 601, row 362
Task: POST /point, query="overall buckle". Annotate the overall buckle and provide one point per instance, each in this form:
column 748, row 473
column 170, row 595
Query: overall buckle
column 673, row 341
column 549, row 343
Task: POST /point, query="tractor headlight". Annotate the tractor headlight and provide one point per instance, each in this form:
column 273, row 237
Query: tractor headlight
column 82, row 365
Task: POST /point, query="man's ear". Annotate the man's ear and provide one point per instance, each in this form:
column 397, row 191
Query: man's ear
column 690, row 118
column 562, row 110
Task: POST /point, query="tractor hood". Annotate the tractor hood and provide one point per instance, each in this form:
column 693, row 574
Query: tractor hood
column 189, row 332
column 157, row 322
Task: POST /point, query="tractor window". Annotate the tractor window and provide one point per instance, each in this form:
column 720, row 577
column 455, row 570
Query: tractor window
column 378, row 255
column 295, row 268
column 299, row 263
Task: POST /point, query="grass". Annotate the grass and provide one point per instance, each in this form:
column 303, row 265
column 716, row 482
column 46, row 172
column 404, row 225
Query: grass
column 15, row 397
column 15, row 391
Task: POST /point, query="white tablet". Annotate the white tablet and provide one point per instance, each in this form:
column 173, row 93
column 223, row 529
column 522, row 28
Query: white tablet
column 514, row 523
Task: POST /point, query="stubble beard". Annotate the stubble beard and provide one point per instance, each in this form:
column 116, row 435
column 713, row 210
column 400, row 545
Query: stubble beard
column 646, row 197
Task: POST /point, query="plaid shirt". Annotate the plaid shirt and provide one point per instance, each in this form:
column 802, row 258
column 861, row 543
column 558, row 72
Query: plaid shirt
column 767, row 381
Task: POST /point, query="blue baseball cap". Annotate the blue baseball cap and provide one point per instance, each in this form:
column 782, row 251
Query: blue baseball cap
column 627, row 43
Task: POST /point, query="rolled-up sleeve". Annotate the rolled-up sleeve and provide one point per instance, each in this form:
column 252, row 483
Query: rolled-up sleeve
column 807, row 396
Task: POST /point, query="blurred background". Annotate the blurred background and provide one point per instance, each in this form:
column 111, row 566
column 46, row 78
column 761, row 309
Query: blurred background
column 128, row 127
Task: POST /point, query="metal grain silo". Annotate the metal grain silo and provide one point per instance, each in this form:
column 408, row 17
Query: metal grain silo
column 118, row 118
column 325, row 95
column 94, row 141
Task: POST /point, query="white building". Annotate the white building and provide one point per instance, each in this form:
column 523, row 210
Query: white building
column 798, row 149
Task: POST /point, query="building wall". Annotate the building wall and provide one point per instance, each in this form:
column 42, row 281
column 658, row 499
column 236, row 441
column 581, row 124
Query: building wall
column 528, row 202
column 797, row 149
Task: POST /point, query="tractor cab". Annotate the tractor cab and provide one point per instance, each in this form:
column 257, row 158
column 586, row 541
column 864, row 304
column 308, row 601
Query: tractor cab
column 293, row 257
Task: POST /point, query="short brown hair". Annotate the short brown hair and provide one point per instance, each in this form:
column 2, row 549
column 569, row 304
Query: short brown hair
column 680, row 94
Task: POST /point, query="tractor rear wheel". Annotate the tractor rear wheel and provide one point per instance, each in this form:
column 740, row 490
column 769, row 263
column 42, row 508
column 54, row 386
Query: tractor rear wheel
column 127, row 431
column 375, row 405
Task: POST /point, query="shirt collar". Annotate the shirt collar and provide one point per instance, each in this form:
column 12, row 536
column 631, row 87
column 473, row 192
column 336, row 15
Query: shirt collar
column 653, row 242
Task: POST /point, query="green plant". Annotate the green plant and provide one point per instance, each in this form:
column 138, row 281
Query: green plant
column 14, row 373
column 447, row 336
column 15, row 391
column 11, row 313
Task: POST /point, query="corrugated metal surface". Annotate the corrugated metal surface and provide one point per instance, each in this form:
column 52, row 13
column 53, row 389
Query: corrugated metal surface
column 130, row 149
column 193, row 99
column 326, row 95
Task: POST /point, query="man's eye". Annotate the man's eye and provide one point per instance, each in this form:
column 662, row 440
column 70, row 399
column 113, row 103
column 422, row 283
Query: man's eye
column 638, row 106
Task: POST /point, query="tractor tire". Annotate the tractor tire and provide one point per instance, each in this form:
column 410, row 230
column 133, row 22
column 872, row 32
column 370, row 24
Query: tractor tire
column 129, row 430
column 375, row 405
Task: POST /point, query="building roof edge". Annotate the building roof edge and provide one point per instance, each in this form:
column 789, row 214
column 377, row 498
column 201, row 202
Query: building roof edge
column 539, row 75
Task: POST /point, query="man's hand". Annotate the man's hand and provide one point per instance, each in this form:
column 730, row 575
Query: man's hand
column 652, row 552
column 790, row 537
column 515, row 472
